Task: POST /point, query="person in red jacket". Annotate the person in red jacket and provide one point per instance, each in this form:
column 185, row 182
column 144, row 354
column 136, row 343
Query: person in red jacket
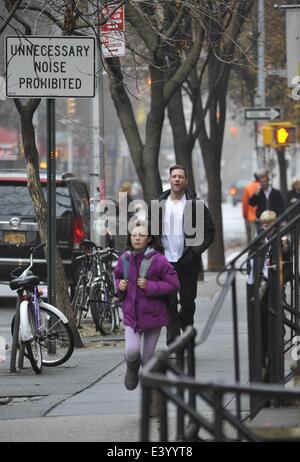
column 249, row 211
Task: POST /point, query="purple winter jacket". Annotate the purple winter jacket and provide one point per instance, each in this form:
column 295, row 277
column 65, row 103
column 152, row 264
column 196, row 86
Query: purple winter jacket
column 146, row 308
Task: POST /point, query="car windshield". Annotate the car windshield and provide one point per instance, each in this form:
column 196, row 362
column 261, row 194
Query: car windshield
column 16, row 200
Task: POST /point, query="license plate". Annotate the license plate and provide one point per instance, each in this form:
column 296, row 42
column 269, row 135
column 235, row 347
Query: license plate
column 15, row 238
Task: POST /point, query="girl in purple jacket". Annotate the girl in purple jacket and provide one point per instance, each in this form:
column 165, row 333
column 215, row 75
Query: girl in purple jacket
column 144, row 297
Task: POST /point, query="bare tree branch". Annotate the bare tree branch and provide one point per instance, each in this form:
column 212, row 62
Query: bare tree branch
column 11, row 14
column 187, row 65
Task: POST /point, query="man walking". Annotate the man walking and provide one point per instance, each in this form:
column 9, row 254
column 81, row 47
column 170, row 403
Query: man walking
column 249, row 212
column 267, row 198
column 179, row 248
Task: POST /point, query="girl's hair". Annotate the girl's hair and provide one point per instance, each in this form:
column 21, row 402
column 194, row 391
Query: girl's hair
column 268, row 217
column 296, row 183
column 155, row 242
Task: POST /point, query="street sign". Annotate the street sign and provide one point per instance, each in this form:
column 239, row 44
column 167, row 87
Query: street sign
column 262, row 113
column 50, row 67
column 116, row 21
column 112, row 32
column 113, row 44
column 292, row 45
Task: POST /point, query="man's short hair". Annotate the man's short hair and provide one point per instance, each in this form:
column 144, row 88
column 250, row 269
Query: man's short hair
column 178, row 167
column 264, row 174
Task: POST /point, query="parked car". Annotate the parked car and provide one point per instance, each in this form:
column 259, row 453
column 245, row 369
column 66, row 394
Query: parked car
column 19, row 229
column 236, row 191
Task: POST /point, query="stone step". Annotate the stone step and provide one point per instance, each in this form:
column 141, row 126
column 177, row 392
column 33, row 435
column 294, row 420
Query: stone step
column 277, row 424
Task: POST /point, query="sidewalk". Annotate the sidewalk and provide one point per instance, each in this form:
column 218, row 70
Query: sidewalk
column 85, row 399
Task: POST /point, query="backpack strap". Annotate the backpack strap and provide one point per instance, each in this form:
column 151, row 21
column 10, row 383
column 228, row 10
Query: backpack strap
column 125, row 263
column 145, row 264
column 144, row 267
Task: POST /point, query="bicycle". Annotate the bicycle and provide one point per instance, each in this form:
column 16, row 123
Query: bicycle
column 41, row 332
column 80, row 301
column 95, row 288
column 103, row 301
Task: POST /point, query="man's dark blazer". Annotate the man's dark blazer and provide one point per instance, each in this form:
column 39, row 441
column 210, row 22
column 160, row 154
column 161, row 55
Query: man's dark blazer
column 191, row 258
column 275, row 202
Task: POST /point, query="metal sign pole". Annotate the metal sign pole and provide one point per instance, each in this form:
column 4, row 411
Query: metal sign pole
column 51, row 201
column 97, row 165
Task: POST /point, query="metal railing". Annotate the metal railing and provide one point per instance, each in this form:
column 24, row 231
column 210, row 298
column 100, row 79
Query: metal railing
column 273, row 316
column 176, row 382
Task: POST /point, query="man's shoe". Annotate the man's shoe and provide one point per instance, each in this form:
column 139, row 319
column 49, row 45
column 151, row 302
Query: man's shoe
column 132, row 374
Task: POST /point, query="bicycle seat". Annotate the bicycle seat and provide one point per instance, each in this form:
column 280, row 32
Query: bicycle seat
column 26, row 283
column 88, row 243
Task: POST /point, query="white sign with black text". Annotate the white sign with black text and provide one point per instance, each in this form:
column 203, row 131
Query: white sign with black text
column 113, row 44
column 50, row 67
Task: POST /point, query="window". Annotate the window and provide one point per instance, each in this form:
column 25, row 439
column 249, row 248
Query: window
column 16, row 200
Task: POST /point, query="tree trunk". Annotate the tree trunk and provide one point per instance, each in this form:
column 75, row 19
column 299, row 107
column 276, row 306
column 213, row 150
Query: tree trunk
column 152, row 186
column 216, row 259
column 40, row 208
column 182, row 144
column 212, row 161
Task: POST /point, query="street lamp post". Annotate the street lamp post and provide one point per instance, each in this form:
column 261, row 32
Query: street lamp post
column 51, row 195
column 97, row 165
column 261, row 87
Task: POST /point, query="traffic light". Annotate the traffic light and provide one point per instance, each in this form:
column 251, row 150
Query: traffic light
column 71, row 106
column 285, row 135
column 267, row 133
column 279, row 134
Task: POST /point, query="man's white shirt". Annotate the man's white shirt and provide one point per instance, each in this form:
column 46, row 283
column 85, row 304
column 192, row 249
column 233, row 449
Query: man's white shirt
column 267, row 193
column 173, row 238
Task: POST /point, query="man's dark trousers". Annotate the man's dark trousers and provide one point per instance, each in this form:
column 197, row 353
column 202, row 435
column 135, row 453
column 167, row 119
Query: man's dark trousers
column 187, row 296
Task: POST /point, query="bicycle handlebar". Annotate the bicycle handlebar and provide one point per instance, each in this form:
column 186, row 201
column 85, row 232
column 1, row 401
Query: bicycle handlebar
column 100, row 251
column 38, row 247
column 32, row 252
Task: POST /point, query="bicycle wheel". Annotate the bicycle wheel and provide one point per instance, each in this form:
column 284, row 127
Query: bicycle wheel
column 80, row 300
column 102, row 312
column 33, row 346
column 57, row 339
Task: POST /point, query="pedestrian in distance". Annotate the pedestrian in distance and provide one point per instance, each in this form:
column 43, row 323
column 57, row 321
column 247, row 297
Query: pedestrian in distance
column 294, row 193
column 184, row 256
column 267, row 219
column 126, row 187
column 266, row 198
column 293, row 196
column 249, row 211
column 144, row 278
column 125, row 197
